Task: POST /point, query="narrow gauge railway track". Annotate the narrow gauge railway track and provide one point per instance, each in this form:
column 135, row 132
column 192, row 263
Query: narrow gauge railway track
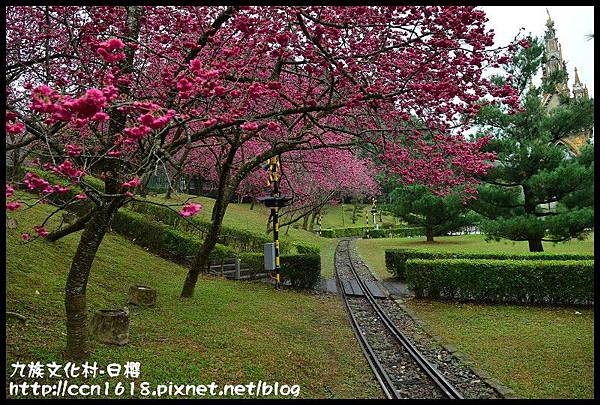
column 388, row 344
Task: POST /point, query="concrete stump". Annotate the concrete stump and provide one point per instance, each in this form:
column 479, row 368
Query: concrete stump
column 142, row 295
column 111, row 326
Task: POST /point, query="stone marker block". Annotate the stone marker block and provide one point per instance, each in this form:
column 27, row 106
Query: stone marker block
column 111, row 326
column 142, row 295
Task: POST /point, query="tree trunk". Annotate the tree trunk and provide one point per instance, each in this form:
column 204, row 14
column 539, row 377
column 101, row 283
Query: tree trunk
column 75, row 301
column 535, row 245
column 312, row 220
column 202, row 256
column 224, row 192
column 354, row 211
column 169, row 190
column 305, row 223
column 252, row 204
column 429, row 234
column 76, row 226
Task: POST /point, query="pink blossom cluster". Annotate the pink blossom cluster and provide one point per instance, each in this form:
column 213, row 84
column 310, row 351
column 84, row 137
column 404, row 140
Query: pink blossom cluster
column 73, row 150
column 112, row 50
column 190, row 209
column 67, row 169
column 13, row 127
column 132, row 183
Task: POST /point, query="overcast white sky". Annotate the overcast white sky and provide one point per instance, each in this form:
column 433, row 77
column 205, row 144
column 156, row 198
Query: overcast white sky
column 572, row 24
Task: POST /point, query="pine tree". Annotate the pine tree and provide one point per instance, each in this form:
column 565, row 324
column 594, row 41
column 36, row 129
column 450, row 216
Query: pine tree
column 537, row 190
column 418, row 206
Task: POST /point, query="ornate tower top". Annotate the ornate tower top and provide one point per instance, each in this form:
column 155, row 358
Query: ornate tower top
column 553, row 62
column 580, row 91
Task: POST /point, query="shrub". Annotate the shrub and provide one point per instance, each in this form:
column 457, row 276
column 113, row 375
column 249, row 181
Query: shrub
column 162, row 239
column 516, row 281
column 302, row 271
column 306, row 249
column 402, row 232
column 361, row 231
column 240, row 239
column 395, row 259
column 343, row 232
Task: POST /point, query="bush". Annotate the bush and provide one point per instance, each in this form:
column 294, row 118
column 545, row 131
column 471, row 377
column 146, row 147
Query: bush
column 397, row 232
column 516, row 281
column 395, row 259
column 306, row 249
column 162, row 239
column 361, row 231
column 302, row 271
column 239, row 239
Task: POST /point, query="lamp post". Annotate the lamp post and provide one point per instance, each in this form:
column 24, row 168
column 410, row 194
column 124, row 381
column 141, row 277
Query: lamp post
column 274, row 201
column 374, row 212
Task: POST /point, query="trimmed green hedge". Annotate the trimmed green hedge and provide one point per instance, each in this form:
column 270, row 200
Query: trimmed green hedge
column 361, row 231
column 302, row 271
column 306, row 249
column 239, row 239
column 162, row 239
column 397, row 232
column 395, row 259
column 515, row 281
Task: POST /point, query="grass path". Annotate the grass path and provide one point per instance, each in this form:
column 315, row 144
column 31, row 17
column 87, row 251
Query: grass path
column 229, row 332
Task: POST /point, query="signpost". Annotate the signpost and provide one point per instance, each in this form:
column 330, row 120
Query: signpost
column 274, row 201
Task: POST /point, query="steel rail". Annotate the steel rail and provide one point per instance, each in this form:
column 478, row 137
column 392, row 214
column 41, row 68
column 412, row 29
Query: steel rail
column 382, row 376
column 446, row 387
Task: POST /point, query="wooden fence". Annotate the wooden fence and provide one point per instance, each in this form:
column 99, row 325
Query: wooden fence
column 233, row 268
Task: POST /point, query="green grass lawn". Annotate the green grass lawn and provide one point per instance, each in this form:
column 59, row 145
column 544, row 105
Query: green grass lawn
column 538, row 352
column 241, row 216
column 373, row 250
column 340, row 216
column 229, row 332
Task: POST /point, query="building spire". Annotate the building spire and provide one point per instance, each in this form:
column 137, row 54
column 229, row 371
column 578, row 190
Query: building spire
column 580, row 92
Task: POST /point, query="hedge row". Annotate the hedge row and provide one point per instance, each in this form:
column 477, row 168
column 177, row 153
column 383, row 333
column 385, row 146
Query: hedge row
column 361, row 231
column 397, row 232
column 161, row 239
column 239, row 239
column 395, row 259
column 511, row 281
column 300, row 270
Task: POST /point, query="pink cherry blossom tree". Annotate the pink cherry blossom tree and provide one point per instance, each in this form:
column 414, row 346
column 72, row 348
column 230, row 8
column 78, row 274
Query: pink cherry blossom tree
column 113, row 91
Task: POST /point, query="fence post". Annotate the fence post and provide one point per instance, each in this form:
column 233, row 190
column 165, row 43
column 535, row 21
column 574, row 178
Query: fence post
column 222, row 264
column 237, row 268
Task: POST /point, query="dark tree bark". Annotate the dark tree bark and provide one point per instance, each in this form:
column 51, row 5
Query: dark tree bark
column 75, row 300
column 535, row 242
column 429, row 234
column 201, row 259
column 354, row 211
column 76, row 226
column 221, row 201
column 535, row 245
column 97, row 225
column 305, row 223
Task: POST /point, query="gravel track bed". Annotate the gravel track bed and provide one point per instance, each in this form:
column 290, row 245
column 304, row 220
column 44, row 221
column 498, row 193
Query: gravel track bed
column 451, row 367
column 410, row 380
